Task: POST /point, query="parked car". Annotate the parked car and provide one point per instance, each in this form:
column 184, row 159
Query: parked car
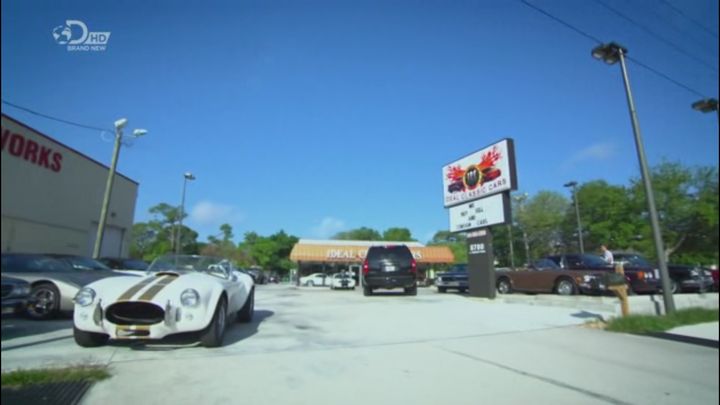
column 179, row 294
column 546, row 276
column 455, row 278
column 82, row 263
column 341, row 281
column 641, row 279
column 15, row 295
column 682, row 278
column 129, row 266
column 315, row 280
column 388, row 267
column 53, row 282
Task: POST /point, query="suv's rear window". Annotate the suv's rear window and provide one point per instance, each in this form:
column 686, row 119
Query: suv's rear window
column 395, row 254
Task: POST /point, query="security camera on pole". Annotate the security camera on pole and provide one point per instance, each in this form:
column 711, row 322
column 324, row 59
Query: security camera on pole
column 119, row 125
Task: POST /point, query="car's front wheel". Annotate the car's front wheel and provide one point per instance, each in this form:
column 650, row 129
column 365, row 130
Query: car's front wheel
column 213, row 335
column 367, row 291
column 46, row 301
column 89, row 339
column 411, row 291
column 442, row 289
column 565, row 287
column 245, row 314
column 503, row 286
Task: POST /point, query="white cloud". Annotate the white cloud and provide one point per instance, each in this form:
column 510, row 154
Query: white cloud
column 327, row 227
column 208, row 213
column 598, row 151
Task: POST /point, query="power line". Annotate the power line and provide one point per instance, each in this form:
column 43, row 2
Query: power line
column 656, row 36
column 566, row 24
column 664, row 76
column 19, row 107
column 680, row 13
column 596, row 40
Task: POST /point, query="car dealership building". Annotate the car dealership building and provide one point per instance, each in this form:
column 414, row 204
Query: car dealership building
column 332, row 256
column 52, row 196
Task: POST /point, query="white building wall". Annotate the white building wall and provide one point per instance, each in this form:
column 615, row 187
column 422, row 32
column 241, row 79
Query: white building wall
column 52, row 195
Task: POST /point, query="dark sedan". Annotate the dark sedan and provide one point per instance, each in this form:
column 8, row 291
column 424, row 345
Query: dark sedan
column 683, row 278
column 455, row 278
column 15, row 295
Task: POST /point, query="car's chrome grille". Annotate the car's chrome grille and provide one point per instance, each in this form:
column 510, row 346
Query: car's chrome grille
column 134, row 313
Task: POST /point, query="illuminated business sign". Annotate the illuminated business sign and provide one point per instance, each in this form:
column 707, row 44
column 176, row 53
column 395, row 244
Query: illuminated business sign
column 484, row 173
column 481, row 213
column 358, row 254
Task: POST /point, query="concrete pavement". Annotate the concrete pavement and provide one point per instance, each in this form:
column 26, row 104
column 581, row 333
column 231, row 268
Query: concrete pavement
column 327, row 347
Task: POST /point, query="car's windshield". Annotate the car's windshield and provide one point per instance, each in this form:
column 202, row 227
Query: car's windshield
column 190, row 263
column 458, row 268
column 134, row 265
column 594, row 261
column 33, row 263
column 86, row 263
column 633, row 260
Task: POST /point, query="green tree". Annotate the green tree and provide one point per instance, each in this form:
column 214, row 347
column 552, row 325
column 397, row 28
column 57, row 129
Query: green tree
column 362, row 233
column 456, row 242
column 687, row 203
column 398, row 235
column 541, row 219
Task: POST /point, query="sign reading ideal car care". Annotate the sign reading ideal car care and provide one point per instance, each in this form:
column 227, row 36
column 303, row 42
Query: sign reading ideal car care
column 481, row 174
column 488, row 211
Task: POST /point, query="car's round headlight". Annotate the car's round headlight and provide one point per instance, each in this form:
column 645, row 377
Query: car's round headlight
column 85, row 297
column 190, row 298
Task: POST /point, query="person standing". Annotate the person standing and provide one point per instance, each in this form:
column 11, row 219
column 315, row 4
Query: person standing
column 607, row 254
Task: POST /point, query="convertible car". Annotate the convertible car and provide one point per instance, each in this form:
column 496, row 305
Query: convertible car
column 179, row 294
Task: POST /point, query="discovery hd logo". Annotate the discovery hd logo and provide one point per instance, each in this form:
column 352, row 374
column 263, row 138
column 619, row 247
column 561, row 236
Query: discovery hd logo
column 77, row 37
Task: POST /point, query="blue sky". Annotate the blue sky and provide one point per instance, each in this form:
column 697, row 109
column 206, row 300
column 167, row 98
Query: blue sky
column 316, row 117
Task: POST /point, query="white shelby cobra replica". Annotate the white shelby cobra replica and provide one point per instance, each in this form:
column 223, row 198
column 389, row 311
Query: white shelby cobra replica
column 179, row 294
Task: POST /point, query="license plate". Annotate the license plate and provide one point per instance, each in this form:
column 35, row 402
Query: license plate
column 389, row 268
column 453, row 284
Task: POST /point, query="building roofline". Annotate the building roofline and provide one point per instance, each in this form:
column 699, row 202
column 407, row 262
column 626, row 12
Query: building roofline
column 51, row 139
column 334, row 242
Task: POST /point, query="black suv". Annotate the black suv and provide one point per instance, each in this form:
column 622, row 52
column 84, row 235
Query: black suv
column 682, row 278
column 389, row 267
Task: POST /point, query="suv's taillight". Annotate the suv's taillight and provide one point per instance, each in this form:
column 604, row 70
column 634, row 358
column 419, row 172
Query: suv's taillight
column 366, row 267
column 413, row 266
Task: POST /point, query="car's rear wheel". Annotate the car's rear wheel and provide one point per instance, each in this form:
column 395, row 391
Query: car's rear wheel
column 411, row 291
column 462, row 290
column 674, row 286
column 367, row 291
column 442, row 289
column 565, row 287
column 213, row 335
column 46, row 301
column 503, row 286
column 245, row 314
column 89, row 339
column 311, row 283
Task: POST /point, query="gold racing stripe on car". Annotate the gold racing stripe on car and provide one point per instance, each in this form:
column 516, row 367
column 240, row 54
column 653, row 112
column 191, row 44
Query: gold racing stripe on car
column 155, row 289
column 134, row 289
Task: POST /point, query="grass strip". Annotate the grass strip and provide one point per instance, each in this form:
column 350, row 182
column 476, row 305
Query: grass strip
column 655, row 323
column 23, row 377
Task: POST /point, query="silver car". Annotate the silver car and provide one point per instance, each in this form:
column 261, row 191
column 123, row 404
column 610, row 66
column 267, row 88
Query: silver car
column 53, row 282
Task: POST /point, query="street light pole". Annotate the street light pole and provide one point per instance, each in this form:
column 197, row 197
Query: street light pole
column 187, row 176
column 610, row 54
column 119, row 125
column 520, row 199
column 573, row 184
column 512, row 248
